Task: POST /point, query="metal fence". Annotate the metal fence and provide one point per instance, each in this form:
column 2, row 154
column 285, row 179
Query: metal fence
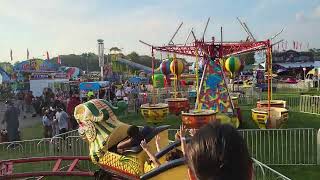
column 279, row 146
column 264, row 172
column 293, row 102
column 56, row 146
column 282, row 146
column 270, row 146
column 310, row 104
column 74, row 146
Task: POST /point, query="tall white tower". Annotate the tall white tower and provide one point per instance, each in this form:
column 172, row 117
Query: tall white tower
column 101, row 56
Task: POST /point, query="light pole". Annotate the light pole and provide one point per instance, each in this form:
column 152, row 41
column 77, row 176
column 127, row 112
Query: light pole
column 101, row 56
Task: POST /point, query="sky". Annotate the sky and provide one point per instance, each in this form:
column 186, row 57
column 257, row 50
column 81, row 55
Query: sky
column 73, row 27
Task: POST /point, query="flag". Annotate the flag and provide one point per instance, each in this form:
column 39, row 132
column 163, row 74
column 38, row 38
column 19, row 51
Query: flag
column 27, row 54
column 59, row 60
column 11, row 54
column 48, row 56
column 286, row 45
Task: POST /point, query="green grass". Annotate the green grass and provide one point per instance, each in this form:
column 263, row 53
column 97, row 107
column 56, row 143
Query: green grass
column 33, row 132
column 299, row 172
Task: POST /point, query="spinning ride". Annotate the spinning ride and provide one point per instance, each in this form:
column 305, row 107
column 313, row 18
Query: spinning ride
column 270, row 113
column 213, row 94
column 154, row 112
column 177, row 104
column 102, row 130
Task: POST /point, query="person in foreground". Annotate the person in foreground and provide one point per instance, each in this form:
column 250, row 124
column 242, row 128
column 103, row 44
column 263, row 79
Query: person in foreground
column 218, row 152
column 11, row 118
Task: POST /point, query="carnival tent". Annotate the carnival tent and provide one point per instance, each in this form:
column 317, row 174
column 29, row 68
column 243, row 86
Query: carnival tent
column 4, row 76
column 94, row 86
column 35, row 65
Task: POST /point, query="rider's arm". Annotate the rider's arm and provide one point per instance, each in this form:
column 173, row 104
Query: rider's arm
column 158, row 143
column 145, row 147
column 124, row 144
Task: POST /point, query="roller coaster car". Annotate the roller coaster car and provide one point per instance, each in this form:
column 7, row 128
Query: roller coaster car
column 99, row 126
column 176, row 169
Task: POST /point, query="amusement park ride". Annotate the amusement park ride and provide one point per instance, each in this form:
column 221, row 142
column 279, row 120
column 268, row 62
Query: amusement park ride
column 100, row 127
column 213, row 98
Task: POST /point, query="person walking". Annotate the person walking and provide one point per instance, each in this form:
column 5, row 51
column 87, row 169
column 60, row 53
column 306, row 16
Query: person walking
column 73, row 102
column 11, row 118
column 47, row 125
column 28, row 101
column 120, row 94
column 62, row 119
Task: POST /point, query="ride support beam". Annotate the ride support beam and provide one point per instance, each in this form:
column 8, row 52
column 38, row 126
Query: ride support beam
column 73, row 164
column 47, row 173
column 57, row 165
column 6, row 167
column 213, row 49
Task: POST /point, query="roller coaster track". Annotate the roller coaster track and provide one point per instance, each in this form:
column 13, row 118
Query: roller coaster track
column 7, row 167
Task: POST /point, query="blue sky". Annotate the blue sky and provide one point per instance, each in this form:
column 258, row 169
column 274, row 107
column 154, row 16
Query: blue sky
column 68, row 26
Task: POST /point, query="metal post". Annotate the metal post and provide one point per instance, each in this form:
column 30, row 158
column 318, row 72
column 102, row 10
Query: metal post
column 101, row 56
column 318, row 147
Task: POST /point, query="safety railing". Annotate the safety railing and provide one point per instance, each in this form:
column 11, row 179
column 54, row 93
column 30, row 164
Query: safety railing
column 264, row 172
column 310, row 104
column 69, row 133
column 56, row 146
column 293, row 103
column 282, row 146
column 270, row 146
column 279, row 146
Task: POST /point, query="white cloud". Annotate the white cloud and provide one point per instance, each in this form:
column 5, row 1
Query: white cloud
column 316, row 12
column 300, row 16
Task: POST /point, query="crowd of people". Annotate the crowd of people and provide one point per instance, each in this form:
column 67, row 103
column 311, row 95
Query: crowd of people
column 56, row 108
column 118, row 92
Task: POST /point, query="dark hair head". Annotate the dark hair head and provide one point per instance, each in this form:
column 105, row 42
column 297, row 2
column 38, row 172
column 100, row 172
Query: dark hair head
column 175, row 154
column 218, row 152
column 133, row 131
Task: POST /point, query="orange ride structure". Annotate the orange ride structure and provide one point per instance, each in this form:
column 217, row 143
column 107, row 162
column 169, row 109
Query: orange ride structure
column 213, row 99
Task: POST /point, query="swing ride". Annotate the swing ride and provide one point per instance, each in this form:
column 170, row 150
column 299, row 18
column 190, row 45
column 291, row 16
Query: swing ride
column 177, row 104
column 212, row 91
column 100, row 127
